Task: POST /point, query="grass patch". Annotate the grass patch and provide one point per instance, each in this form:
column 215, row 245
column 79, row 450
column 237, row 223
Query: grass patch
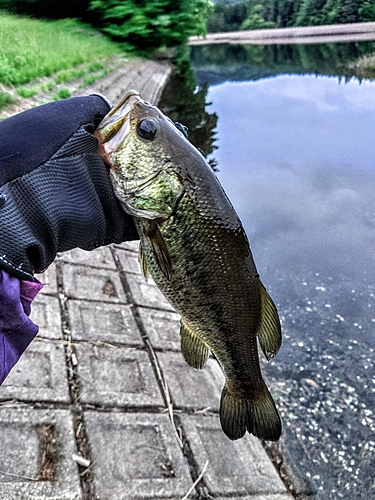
column 62, row 94
column 5, row 99
column 33, row 48
column 26, row 93
column 90, row 79
column 95, row 66
column 68, row 75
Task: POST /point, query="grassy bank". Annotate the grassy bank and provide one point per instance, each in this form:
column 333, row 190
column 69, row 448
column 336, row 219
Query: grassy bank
column 47, row 54
column 32, row 48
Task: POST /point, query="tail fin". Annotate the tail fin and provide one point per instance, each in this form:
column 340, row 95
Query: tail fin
column 258, row 416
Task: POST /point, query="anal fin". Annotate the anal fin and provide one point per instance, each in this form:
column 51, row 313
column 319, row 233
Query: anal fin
column 269, row 331
column 193, row 349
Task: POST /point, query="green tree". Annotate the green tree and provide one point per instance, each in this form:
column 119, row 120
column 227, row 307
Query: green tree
column 47, row 8
column 150, row 25
column 311, row 13
column 227, row 17
column 367, row 10
column 256, row 20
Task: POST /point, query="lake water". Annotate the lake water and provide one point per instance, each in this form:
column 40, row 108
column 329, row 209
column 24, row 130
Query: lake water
column 297, row 159
column 295, row 139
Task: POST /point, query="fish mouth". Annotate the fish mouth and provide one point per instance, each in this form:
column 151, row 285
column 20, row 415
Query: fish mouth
column 116, row 124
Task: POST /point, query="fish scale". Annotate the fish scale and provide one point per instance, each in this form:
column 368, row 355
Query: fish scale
column 195, row 248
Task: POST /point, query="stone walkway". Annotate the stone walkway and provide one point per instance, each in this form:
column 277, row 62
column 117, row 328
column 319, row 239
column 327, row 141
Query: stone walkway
column 102, row 405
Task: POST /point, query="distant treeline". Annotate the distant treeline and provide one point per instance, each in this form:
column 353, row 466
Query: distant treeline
column 258, row 14
column 141, row 24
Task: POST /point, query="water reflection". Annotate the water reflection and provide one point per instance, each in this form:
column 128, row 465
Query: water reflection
column 296, row 157
column 219, row 63
column 183, row 101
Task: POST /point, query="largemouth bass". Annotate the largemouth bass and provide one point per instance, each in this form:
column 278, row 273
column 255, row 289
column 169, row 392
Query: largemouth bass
column 193, row 245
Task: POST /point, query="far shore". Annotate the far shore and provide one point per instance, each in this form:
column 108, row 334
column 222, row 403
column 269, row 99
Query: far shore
column 307, row 34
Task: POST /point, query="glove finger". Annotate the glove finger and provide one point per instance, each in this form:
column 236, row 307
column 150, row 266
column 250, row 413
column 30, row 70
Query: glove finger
column 43, row 130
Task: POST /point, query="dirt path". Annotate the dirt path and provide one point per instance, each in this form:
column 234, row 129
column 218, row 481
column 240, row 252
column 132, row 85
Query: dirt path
column 306, row 34
column 146, row 76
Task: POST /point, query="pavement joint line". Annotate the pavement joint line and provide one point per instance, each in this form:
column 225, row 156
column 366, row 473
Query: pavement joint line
column 123, row 279
column 81, row 438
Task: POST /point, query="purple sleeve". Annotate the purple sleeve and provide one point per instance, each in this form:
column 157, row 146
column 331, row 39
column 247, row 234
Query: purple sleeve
column 16, row 328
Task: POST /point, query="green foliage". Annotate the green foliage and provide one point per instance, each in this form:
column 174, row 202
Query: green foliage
column 68, row 75
column 149, row 25
column 90, row 79
column 47, row 8
column 252, row 14
column 30, row 49
column 26, row 93
column 367, row 10
column 256, row 20
column 62, row 94
column 227, row 17
column 5, row 99
column 311, row 13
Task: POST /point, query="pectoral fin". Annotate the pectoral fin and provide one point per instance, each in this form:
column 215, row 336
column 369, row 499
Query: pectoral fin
column 193, row 349
column 159, row 248
column 142, row 262
column 269, row 332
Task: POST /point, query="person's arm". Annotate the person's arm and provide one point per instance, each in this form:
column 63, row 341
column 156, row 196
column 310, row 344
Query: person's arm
column 16, row 328
column 55, row 195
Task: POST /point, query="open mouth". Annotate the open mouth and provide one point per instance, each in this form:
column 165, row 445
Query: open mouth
column 116, row 124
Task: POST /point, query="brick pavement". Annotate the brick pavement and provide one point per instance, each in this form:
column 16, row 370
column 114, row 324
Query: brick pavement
column 101, row 376
column 102, row 405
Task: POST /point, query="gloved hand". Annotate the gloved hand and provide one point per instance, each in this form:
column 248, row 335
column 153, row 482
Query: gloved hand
column 55, row 192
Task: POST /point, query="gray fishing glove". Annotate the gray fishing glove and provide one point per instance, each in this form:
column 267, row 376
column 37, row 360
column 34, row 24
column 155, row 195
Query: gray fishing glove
column 55, row 192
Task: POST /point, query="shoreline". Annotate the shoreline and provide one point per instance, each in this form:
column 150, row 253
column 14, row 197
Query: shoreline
column 305, row 34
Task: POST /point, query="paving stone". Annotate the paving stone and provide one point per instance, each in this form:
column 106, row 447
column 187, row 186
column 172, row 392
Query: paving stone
column 129, row 261
column 162, row 328
column 132, row 246
column 90, row 283
column 192, row 389
column 49, row 280
column 136, row 457
column 100, row 257
column 235, row 467
column 40, row 375
column 24, row 434
column 45, row 312
column 146, row 293
column 117, row 376
column 95, row 321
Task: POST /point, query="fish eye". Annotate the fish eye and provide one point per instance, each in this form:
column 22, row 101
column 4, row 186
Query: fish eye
column 147, row 128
